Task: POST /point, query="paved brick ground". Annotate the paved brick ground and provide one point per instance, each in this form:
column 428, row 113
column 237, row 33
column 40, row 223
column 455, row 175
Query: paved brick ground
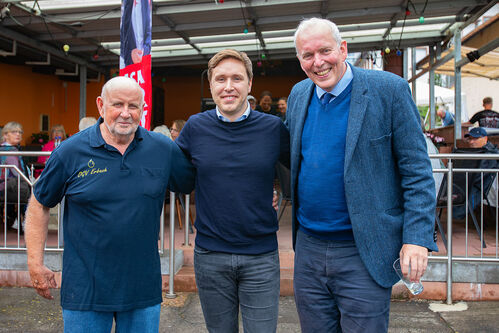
column 22, row 310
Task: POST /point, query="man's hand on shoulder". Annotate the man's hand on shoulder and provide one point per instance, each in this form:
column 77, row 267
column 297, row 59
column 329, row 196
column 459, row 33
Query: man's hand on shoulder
column 416, row 257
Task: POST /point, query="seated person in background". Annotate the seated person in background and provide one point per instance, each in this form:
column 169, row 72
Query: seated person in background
column 86, row 122
column 487, row 117
column 435, row 162
column 176, row 128
column 282, row 105
column 265, row 104
column 12, row 135
column 477, row 138
column 57, row 134
column 446, row 116
column 252, row 102
column 163, row 129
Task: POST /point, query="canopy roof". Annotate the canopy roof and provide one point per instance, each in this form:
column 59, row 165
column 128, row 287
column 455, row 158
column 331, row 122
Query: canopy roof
column 190, row 32
column 486, row 66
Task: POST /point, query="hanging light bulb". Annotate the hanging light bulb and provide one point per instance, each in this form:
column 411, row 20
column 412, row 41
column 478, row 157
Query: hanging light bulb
column 421, row 19
column 259, row 63
column 399, row 53
column 387, row 50
column 245, row 30
column 263, row 56
column 65, row 47
column 407, row 12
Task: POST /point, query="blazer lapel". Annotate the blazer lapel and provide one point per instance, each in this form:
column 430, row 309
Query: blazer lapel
column 358, row 107
column 303, row 100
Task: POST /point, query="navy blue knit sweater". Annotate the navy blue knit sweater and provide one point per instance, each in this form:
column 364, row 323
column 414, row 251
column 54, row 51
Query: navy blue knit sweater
column 235, row 165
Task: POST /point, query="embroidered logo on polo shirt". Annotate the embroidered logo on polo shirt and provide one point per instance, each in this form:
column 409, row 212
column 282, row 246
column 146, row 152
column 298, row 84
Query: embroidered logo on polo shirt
column 92, row 170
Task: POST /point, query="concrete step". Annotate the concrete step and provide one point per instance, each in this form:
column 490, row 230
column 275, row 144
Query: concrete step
column 185, row 282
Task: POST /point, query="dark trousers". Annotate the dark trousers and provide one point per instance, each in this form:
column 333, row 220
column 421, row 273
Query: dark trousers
column 227, row 282
column 334, row 291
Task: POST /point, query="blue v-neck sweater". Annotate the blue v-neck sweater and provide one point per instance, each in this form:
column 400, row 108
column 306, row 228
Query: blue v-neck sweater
column 322, row 209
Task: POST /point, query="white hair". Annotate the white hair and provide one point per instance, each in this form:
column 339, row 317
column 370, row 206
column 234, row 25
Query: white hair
column 86, row 122
column 163, row 129
column 316, row 23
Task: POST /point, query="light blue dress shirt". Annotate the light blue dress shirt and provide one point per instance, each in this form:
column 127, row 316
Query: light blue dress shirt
column 339, row 87
column 243, row 116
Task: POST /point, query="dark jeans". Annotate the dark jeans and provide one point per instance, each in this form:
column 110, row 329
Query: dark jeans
column 334, row 291
column 228, row 281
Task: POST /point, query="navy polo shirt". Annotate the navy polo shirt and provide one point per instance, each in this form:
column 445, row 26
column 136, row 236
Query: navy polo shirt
column 111, row 216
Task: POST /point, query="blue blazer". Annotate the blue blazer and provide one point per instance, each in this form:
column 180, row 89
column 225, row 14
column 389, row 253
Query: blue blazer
column 389, row 187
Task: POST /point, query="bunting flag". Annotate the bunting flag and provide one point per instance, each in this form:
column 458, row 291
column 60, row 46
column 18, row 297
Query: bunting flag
column 135, row 49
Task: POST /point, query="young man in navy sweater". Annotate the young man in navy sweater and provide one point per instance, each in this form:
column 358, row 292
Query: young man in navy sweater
column 234, row 150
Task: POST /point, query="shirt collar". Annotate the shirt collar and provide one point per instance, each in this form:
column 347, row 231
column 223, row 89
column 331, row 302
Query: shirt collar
column 340, row 86
column 243, row 116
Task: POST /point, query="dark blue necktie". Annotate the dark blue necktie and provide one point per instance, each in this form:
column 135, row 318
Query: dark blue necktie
column 326, row 98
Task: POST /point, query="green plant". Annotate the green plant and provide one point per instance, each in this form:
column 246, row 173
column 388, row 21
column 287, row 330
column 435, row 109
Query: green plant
column 40, row 138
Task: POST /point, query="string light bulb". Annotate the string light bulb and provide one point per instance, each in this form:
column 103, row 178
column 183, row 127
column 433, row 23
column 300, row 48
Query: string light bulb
column 399, row 53
column 421, row 19
column 245, row 30
column 387, row 50
column 65, row 47
column 407, row 12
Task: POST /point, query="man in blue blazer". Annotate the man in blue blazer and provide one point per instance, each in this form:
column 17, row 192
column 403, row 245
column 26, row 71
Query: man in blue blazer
column 362, row 186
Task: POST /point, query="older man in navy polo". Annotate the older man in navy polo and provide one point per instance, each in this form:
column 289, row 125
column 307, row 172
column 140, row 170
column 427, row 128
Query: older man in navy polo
column 113, row 177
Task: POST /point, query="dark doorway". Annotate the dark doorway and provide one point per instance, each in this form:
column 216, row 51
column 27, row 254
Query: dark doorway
column 158, row 107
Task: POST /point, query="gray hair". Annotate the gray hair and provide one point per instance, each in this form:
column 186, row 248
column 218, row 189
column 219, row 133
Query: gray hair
column 163, row 129
column 315, row 23
column 11, row 126
column 86, row 122
column 121, row 81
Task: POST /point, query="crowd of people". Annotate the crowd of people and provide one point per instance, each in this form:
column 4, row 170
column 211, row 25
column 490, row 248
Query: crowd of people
column 337, row 129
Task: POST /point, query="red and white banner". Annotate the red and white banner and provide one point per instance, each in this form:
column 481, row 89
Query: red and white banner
column 135, row 50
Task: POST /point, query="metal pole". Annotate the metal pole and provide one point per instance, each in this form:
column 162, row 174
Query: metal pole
column 405, row 65
column 60, row 225
column 186, row 219
column 432, row 89
column 457, row 85
column 162, row 231
column 83, row 91
column 449, row 232
column 413, row 71
column 171, row 271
